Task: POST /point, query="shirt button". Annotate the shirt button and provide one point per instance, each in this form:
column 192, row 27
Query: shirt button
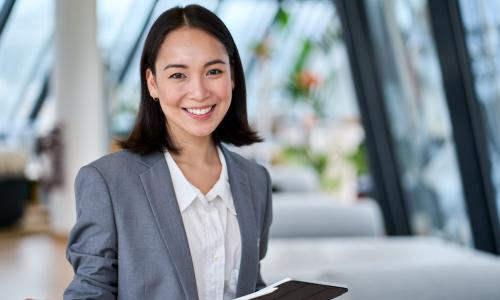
column 216, row 258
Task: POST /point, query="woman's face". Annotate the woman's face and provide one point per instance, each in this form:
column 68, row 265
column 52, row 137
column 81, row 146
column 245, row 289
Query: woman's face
column 193, row 83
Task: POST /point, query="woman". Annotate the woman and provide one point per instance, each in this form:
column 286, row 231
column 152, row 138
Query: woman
column 176, row 215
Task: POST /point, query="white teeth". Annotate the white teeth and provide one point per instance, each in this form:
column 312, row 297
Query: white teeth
column 198, row 111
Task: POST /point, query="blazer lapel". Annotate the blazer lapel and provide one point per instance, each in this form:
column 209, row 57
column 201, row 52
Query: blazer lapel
column 240, row 189
column 161, row 196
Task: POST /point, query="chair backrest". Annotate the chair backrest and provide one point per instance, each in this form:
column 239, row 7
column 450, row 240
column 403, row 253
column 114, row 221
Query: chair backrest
column 319, row 215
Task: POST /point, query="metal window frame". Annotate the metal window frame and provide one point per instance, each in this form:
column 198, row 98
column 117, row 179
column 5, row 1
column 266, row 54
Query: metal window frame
column 466, row 119
column 42, row 96
column 380, row 144
column 136, row 45
column 44, row 91
column 5, row 13
column 468, row 131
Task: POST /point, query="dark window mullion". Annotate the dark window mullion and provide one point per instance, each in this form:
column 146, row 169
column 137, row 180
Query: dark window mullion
column 468, row 132
column 5, row 11
column 135, row 47
column 389, row 193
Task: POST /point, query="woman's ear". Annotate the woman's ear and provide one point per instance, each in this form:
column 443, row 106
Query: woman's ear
column 151, row 81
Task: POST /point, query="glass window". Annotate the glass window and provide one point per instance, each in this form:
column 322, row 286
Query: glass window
column 30, row 60
column 120, row 23
column 419, row 119
column 111, row 16
column 301, row 99
column 247, row 21
column 482, row 30
column 25, row 53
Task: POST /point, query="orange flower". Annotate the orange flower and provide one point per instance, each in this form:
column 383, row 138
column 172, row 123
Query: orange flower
column 262, row 49
column 307, row 80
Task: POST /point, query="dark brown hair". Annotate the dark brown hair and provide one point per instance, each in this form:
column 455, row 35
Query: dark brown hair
column 150, row 131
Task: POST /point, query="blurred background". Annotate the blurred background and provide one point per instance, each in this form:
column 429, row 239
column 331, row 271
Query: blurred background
column 381, row 121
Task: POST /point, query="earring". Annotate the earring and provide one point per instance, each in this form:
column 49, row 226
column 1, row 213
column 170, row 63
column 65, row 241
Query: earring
column 156, row 99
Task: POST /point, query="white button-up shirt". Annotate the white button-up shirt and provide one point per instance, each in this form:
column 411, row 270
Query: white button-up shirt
column 212, row 232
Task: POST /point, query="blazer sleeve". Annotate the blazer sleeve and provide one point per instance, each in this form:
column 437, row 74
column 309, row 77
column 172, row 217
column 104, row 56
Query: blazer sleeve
column 92, row 245
column 264, row 236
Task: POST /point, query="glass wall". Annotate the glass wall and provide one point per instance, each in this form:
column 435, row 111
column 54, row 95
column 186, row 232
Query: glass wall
column 419, row 119
column 482, row 32
column 25, row 57
column 300, row 93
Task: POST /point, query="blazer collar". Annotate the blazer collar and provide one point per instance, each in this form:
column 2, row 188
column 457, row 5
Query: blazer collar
column 161, row 196
column 242, row 197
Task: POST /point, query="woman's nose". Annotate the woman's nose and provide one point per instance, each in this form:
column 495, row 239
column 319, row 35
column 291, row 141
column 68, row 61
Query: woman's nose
column 198, row 90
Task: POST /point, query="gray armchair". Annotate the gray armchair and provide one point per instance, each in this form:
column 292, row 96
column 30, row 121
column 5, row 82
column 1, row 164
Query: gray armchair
column 317, row 215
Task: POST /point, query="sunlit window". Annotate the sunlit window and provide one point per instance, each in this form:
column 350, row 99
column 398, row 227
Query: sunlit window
column 419, row 119
column 25, row 50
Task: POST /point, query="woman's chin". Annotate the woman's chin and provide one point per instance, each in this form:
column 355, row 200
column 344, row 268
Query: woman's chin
column 202, row 132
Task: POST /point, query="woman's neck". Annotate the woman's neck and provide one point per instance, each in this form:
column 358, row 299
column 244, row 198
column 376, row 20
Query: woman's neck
column 196, row 152
column 200, row 164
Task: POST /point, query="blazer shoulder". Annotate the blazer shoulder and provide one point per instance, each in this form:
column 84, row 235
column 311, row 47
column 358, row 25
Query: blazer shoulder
column 250, row 166
column 245, row 163
column 119, row 162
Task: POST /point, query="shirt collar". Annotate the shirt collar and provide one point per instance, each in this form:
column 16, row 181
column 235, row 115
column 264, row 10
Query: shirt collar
column 222, row 187
column 184, row 190
column 186, row 193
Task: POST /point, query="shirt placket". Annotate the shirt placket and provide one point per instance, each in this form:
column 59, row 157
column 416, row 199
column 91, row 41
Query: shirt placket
column 216, row 259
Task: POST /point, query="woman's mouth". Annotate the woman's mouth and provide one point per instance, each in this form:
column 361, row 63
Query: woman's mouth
column 200, row 113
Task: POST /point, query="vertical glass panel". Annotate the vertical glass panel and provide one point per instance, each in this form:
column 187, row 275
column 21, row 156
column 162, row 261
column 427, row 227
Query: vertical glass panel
column 482, row 29
column 112, row 15
column 22, row 59
column 247, row 21
column 120, row 23
column 418, row 118
column 300, row 98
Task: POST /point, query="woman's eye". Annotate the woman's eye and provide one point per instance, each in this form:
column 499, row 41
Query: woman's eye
column 177, row 76
column 214, row 72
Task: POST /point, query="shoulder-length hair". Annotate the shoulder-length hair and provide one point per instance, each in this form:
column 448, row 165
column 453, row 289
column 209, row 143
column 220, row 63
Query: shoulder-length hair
column 150, row 132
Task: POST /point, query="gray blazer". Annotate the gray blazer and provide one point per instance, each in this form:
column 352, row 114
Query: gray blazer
column 129, row 241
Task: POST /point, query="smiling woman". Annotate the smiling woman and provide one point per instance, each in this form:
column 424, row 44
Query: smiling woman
column 194, row 88
column 176, row 215
column 175, row 70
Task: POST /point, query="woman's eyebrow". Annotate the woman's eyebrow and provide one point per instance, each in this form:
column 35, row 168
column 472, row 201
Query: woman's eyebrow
column 215, row 61
column 174, row 66
column 212, row 62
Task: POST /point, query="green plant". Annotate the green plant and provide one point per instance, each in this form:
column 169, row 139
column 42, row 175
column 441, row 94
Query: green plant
column 302, row 155
column 302, row 83
column 282, row 18
column 358, row 159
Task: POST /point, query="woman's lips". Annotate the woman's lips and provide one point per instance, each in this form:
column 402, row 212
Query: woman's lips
column 200, row 113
